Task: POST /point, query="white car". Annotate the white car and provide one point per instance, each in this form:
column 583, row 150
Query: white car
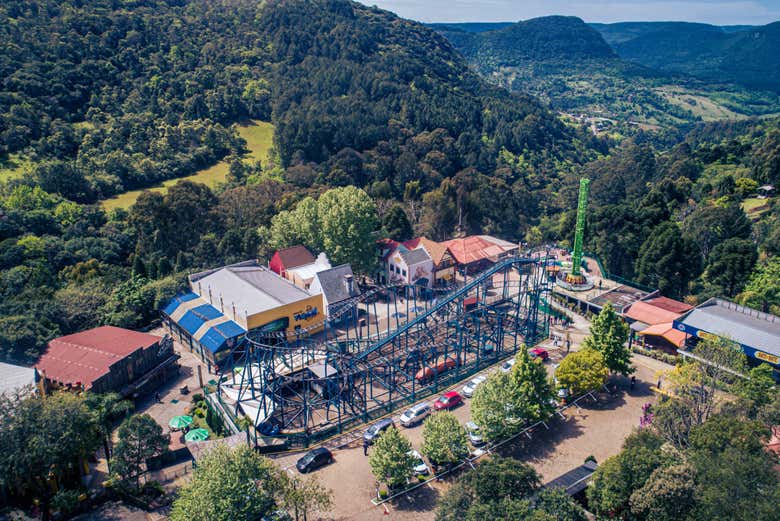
column 508, row 365
column 416, row 414
column 472, row 429
column 469, row 388
column 419, row 466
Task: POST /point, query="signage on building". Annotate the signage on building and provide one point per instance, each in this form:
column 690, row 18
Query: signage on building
column 766, row 357
column 308, row 313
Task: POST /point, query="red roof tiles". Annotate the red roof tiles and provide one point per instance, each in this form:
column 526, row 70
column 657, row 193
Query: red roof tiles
column 82, row 358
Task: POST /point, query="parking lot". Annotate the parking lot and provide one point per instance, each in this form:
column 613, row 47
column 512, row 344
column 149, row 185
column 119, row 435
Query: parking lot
column 595, row 429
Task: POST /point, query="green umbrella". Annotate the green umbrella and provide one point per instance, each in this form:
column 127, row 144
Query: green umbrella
column 179, row 422
column 197, row 435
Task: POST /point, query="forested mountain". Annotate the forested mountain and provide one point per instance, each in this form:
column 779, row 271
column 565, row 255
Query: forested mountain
column 100, row 97
column 565, row 40
column 744, row 55
column 569, row 65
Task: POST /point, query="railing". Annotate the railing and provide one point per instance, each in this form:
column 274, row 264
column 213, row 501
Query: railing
column 617, row 278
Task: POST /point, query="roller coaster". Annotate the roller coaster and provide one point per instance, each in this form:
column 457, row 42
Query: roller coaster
column 390, row 346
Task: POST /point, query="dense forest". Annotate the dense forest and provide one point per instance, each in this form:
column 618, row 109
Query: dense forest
column 742, row 55
column 106, row 96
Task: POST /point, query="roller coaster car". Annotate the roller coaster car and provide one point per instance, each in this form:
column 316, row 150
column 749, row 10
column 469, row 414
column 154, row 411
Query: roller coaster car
column 428, row 373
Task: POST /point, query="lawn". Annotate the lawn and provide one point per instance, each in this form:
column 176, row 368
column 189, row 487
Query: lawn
column 14, row 167
column 259, row 137
column 755, row 206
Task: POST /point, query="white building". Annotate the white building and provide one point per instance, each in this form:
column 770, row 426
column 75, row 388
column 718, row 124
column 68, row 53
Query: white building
column 303, row 276
column 406, row 266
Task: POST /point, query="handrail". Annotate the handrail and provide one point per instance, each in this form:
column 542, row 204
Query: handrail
column 446, row 301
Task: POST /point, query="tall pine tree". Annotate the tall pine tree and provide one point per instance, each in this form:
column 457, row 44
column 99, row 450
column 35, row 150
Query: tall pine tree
column 609, row 335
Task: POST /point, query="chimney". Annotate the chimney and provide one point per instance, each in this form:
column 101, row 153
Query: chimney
column 349, row 284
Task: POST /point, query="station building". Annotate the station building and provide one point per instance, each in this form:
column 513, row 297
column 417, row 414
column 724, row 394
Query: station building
column 107, row 359
column 223, row 304
column 756, row 333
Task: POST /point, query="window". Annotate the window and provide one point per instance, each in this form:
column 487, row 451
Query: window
column 403, row 272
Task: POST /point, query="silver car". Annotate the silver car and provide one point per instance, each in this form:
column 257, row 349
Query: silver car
column 472, row 429
column 507, row 366
column 416, row 414
column 469, row 388
column 419, row 466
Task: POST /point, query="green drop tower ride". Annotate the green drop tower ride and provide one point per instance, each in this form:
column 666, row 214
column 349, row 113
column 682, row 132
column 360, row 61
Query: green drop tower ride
column 576, row 276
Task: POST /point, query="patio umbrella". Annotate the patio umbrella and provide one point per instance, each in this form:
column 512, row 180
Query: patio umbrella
column 197, row 435
column 179, row 422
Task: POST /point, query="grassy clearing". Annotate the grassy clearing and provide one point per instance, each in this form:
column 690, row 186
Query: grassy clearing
column 755, row 206
column 259, row 137
column 15, row 167
column 698, row 104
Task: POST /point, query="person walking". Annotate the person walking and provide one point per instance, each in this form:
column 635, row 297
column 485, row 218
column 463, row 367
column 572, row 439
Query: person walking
column 365, row 447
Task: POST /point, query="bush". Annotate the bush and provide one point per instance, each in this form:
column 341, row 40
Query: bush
column 197, row 398
column 66, row 501
column 656, row 355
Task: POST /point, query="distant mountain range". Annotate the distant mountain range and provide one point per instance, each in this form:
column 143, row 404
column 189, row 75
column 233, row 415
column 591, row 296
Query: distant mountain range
column 741, row 54
column 654, row 73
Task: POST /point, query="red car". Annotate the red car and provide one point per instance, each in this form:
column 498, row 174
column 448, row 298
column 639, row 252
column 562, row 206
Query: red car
column 448, row 401
column 538, row 352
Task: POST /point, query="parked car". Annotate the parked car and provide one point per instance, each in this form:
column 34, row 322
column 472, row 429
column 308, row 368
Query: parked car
column 448, row 400
column 416, row 414
column 373, row 432
column 429, row 373
column 508, row 365
column 475, row 438
column 539, row 353
column 314, row 459
column 419, row 466
column 469, row 388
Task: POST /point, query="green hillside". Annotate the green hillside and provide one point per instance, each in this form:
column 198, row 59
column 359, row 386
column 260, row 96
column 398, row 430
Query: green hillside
column 743, row 55
column 569, row 65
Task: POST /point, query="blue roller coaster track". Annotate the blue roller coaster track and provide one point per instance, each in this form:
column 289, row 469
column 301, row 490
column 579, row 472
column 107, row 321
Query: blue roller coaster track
column 391, row 346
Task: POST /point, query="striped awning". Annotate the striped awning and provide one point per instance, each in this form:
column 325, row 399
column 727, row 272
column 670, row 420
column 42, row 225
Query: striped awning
column 203, row 322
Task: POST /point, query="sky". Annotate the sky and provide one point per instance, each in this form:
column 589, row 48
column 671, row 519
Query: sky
column 718, row 12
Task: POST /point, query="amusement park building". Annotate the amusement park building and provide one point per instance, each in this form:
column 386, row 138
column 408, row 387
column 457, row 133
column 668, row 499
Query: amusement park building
column 224, row 303
column 337, row 286
column 757, row 333
column 106, row 359
column 290, row 258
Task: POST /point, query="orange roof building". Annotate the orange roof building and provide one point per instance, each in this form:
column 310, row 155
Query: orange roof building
column 653, row 321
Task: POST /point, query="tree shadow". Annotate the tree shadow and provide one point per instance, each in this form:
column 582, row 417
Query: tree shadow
column 543, row 442
column 421, row 499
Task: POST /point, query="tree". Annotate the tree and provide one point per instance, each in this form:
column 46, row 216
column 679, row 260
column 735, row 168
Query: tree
column 729, row 266
column 397, row 225
column 668, row 495
column 668, row 261
column 140, row 438
column 304, row 496
column 582, row 372
column 534, row 395
column 444, row 439
column 762, row 291
column 497, row 488
column 106, row 409
column 492, row 407
column 347, row 218
column 559, row 505
column 44, row 439
column 609, row 336
column 230, row 485
column 697, row 381
column 758, row 389
column 710, row 225
column 390, row 460
column 619, row 476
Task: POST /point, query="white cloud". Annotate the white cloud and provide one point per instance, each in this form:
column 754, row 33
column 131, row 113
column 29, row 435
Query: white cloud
column 720, row 12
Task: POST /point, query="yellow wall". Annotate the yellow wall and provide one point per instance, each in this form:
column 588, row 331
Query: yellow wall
column 289, row 311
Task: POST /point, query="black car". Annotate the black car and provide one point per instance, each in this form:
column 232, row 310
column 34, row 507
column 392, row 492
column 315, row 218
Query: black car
column 373, row 432
column 314, row 459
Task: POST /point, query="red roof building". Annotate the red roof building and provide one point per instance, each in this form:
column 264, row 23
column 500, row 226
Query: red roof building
column 476, row 248
column 102, row 359
column 653, row 321
column 290, row 258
